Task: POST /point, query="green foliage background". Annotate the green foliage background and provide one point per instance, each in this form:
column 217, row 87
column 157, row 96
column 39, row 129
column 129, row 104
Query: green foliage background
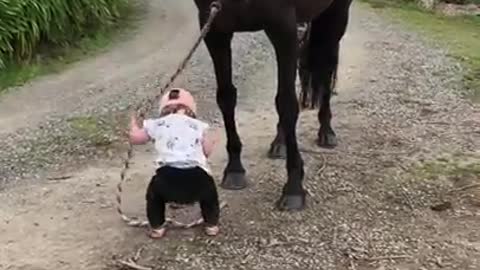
column 25, row 25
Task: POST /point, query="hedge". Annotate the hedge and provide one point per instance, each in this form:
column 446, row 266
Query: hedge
column 27, row 24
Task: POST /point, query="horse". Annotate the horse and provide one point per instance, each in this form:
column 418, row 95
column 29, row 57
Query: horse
column 316, row 62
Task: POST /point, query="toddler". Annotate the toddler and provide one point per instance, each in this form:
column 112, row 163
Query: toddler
column 183, row 144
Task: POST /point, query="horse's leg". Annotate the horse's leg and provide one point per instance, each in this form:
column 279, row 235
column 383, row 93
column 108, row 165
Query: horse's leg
column 278, row 150
column 283, row 36
column 219, row 47
column 303, row 70
column 326, row 34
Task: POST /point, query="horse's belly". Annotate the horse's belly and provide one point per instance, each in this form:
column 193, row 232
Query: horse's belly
column 240, row 16
column 309, row 9
column 253, row 15
column 228, row 24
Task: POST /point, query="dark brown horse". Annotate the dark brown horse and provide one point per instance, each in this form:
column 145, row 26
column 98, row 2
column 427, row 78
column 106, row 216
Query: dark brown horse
column 318, row 67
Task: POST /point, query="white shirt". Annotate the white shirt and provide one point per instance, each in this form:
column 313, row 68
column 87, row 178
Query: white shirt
column 178, row 141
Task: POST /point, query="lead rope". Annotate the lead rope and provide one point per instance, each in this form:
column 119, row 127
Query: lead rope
column 147, row 104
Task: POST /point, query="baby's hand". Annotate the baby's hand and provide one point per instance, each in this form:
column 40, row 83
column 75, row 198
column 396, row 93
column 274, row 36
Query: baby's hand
column 137, row 134
column 215, row 134
column 210, row 138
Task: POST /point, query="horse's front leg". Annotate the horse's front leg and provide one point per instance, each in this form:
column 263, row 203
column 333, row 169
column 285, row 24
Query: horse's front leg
column 283, row 36
column 219, row 47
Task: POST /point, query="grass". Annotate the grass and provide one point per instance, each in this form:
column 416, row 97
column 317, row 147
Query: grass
column 55, row 59
column 438, row 183
column 458, row 175
column 100, row 131
column 461, row 35
column 94, row 130
column 459, row 166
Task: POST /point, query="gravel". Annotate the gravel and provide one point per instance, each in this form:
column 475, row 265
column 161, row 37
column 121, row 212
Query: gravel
column 368, row 207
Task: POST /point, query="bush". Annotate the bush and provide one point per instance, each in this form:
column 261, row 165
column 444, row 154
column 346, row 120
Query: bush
column 27, row 24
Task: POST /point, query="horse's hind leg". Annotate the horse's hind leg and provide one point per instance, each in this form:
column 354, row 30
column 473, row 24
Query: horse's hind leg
column 278, row 149
column 304, row 71
column 303, row 68
column 326, row 34
column 282, row 34
column 219, row 47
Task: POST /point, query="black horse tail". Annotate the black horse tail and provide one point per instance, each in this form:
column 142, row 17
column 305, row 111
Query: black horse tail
column 319, row 54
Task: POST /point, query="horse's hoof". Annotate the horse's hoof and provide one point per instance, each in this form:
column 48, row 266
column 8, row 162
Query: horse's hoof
column 277, row 151
column 234, row 181
column 291, row 203
column 327, row 140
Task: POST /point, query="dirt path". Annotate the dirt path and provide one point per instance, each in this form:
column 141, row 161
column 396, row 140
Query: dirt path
column 155, row 46
column 369, row 203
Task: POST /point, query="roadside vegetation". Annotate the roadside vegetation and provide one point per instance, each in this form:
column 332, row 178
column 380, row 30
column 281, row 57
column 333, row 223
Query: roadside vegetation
column 460, row 34
column 37, row 38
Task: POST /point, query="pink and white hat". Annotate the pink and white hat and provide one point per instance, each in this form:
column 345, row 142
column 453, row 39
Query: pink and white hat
column 178, row 96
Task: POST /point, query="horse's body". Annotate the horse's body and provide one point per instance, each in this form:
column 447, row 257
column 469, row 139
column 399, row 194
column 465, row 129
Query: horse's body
column 252, row 15
column 318, row 66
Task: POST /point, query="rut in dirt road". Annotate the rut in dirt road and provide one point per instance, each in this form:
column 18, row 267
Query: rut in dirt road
column 368, row 208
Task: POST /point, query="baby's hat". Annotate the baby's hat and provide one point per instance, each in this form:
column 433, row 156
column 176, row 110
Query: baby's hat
column 178, row 96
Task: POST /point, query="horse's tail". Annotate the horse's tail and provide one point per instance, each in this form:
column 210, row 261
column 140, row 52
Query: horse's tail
column 319, row 55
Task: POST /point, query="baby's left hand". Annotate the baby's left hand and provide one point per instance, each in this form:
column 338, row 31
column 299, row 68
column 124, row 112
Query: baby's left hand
column 215, row 133
column 210, row 140
column 137, row 134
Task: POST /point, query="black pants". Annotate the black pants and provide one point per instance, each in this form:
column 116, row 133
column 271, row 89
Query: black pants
column 182, row 186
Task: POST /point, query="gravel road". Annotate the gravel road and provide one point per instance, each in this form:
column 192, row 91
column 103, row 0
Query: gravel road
column 369, row 206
